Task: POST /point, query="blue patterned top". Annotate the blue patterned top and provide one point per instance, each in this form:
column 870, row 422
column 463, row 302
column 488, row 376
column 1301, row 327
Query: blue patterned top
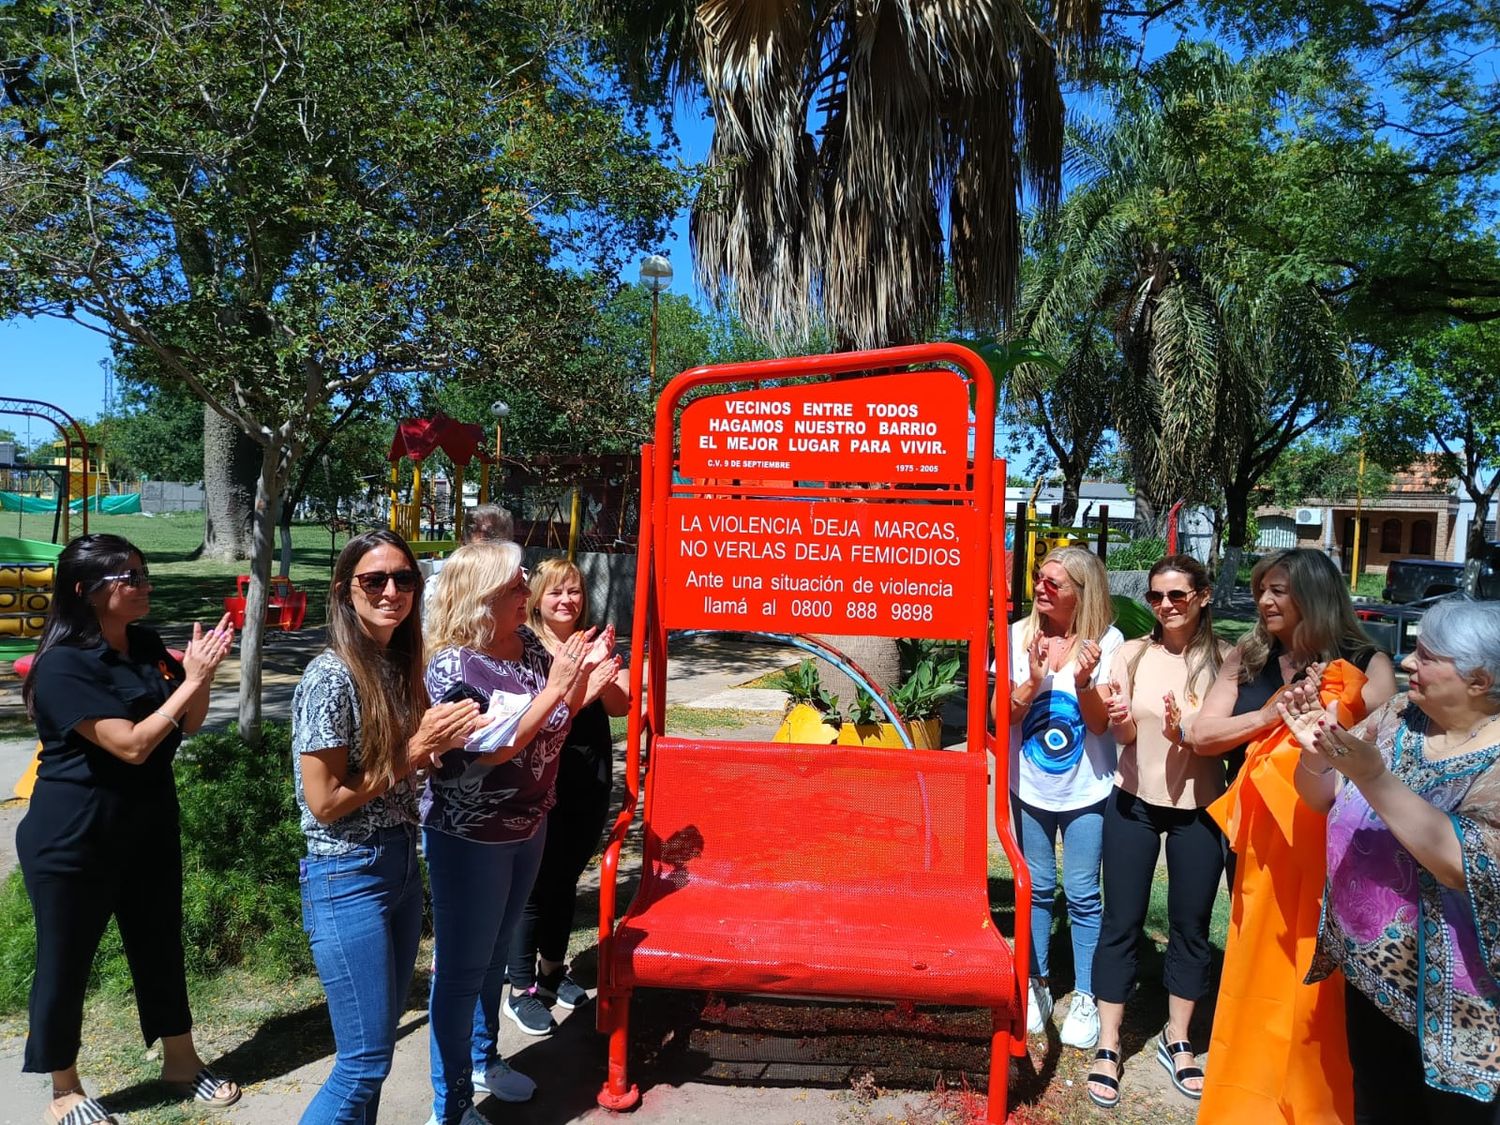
column 325, row 715
column 495, row 804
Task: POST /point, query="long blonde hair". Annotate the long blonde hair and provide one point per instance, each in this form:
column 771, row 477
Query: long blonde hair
column 1328, row 628
column 549, row 573
column 1094, row 613
column 462, row 613
column 387, row 680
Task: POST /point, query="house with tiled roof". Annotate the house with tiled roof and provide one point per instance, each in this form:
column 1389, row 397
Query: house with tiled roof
column 1417, row 516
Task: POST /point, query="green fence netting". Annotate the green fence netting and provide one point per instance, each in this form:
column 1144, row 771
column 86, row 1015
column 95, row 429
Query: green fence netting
column 126, row 504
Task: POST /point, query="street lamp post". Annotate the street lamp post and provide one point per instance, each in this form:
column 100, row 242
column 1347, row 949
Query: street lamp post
column 500, row 409
column 656, row 273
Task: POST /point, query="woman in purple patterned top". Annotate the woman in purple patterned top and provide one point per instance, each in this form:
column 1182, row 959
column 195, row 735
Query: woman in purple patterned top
column 1411, row 912
column 484, row 809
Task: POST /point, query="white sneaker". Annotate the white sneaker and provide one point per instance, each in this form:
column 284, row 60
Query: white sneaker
column 471, row 1117
column 1081, row 1028
column 1038, row 1006
column 506, row 1084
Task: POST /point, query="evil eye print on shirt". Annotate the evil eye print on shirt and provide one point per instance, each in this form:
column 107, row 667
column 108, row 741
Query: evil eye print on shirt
column 1053, row 732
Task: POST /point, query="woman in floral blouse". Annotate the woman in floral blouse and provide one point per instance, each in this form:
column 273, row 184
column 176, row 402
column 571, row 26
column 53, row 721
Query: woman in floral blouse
column 484, row 810
column 1411, row 912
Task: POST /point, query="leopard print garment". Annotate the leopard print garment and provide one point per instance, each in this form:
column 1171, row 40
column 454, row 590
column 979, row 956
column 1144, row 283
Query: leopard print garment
column 1426, row 955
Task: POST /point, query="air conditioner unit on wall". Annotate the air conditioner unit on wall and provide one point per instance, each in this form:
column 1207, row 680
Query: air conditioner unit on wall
column 1309, row 517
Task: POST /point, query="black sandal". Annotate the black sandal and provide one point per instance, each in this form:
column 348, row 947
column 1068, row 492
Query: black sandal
column 1113, row 1083
column 1166, row 1054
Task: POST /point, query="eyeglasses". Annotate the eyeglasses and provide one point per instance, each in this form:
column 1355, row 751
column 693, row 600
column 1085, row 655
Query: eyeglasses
column 1053, row 587
column 374, row 582
column 134, row 578
column 1176, row 597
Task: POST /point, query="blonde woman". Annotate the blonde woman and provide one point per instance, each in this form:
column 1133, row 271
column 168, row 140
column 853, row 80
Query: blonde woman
column 484, row 810
column 559, row 608
column 1279, row 1050
column 1063, row 766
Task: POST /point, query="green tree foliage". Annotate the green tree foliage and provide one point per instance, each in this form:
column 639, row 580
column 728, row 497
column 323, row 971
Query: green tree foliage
column 284, row 203
column 156, row 432
column 1318, row 468
column 1443, row 391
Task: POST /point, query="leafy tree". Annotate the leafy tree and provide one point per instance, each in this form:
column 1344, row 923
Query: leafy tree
column 1323, row 469
column 156, row 432
column 1443, row 391
column 284, row 204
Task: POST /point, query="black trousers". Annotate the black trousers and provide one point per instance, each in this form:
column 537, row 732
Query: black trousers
column 1133, row 829
column 1389, row 1088
column 573, row 829
column 86, row 857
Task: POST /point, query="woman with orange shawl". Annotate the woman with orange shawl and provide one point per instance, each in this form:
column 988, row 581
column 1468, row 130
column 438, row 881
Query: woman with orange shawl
column 1278, row 1052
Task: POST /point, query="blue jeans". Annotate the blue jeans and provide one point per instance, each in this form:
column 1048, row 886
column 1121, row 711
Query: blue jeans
column 362, row 911
column 1082, row 832
column 478, row 893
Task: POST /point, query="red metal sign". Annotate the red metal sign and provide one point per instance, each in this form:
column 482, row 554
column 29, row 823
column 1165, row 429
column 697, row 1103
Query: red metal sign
column 787, row 566
column 891, row 428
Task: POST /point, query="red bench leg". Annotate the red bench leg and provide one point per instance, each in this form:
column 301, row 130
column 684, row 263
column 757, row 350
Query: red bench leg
column 614, row 1020
column 998, row 1111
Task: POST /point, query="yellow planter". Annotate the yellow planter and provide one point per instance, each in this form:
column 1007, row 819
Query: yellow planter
column 926, row 734
column 870, row 734
column 804, row 724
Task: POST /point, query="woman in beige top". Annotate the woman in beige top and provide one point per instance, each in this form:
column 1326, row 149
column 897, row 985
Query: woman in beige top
column 1161, row 788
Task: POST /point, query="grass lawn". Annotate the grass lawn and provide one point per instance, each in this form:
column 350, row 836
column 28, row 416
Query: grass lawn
column 185, row 588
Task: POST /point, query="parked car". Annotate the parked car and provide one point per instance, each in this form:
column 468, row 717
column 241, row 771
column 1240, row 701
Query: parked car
column 1481, row 577
column 1411, row 580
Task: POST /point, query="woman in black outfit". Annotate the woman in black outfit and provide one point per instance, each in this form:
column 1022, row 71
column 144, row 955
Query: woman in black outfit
column 537, row 970
column 101, row 836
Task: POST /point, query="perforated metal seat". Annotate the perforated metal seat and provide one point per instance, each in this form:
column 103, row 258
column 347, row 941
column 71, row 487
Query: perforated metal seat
column 815, row 871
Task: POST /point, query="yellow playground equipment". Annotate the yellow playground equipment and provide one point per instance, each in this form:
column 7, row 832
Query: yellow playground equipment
column 418, row 438
column 25, row 594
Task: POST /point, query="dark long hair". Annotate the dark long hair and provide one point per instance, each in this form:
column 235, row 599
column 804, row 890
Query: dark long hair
column 80, row 572
column 387, row 681
column 1202, row 655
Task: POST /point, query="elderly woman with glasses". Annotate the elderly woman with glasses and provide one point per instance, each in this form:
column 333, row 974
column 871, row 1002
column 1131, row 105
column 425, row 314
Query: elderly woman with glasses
column 484, row 811
column 1411, row 908
column 361, row 728
column 100, row 838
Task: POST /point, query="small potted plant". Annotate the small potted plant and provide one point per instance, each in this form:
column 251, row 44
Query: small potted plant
column 811, row 714
column 919, row 699
column 864, row 727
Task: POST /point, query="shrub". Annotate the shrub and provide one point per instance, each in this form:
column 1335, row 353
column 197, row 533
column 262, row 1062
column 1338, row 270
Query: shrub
column 240, row 846
column 1138, row 554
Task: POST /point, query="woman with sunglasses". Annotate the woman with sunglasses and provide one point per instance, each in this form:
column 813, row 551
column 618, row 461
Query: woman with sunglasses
column 361, row 727
column 101, row 836
column 484, row 810
column 1278, row 1050
column 1063, row 766
column 1161, row 789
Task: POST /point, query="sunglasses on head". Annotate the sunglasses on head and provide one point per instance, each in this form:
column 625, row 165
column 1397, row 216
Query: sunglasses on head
column 374, row 581
column 1176, row 597
column 134, row 578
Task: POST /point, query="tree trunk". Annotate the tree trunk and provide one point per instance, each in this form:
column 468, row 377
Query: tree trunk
column 877, row 657
column 231, row 468
column 1072, row 490
column 1237, row 515
column 270, row 483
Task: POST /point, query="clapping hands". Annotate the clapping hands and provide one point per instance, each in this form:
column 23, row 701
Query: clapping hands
column 206, row 651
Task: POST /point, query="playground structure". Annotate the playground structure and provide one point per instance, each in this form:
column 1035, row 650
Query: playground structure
column 862, row 872
column 27, row 570
column 75, row 448
column 416, row 440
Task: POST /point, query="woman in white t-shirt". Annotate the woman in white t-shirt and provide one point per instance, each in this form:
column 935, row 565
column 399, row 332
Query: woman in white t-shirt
column 1062, row 766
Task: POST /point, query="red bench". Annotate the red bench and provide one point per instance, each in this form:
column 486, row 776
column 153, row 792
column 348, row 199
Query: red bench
column 286, row 606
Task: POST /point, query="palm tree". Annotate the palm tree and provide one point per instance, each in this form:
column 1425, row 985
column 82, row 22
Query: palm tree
column 1228, row 353
column 843, row 129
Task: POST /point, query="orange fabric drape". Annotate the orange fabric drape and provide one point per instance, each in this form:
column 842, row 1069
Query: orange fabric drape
column 1278, row 1051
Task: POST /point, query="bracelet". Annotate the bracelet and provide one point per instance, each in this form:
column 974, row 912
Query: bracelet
column 175, row 724
column 1017, row 705
column 1316, row 773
